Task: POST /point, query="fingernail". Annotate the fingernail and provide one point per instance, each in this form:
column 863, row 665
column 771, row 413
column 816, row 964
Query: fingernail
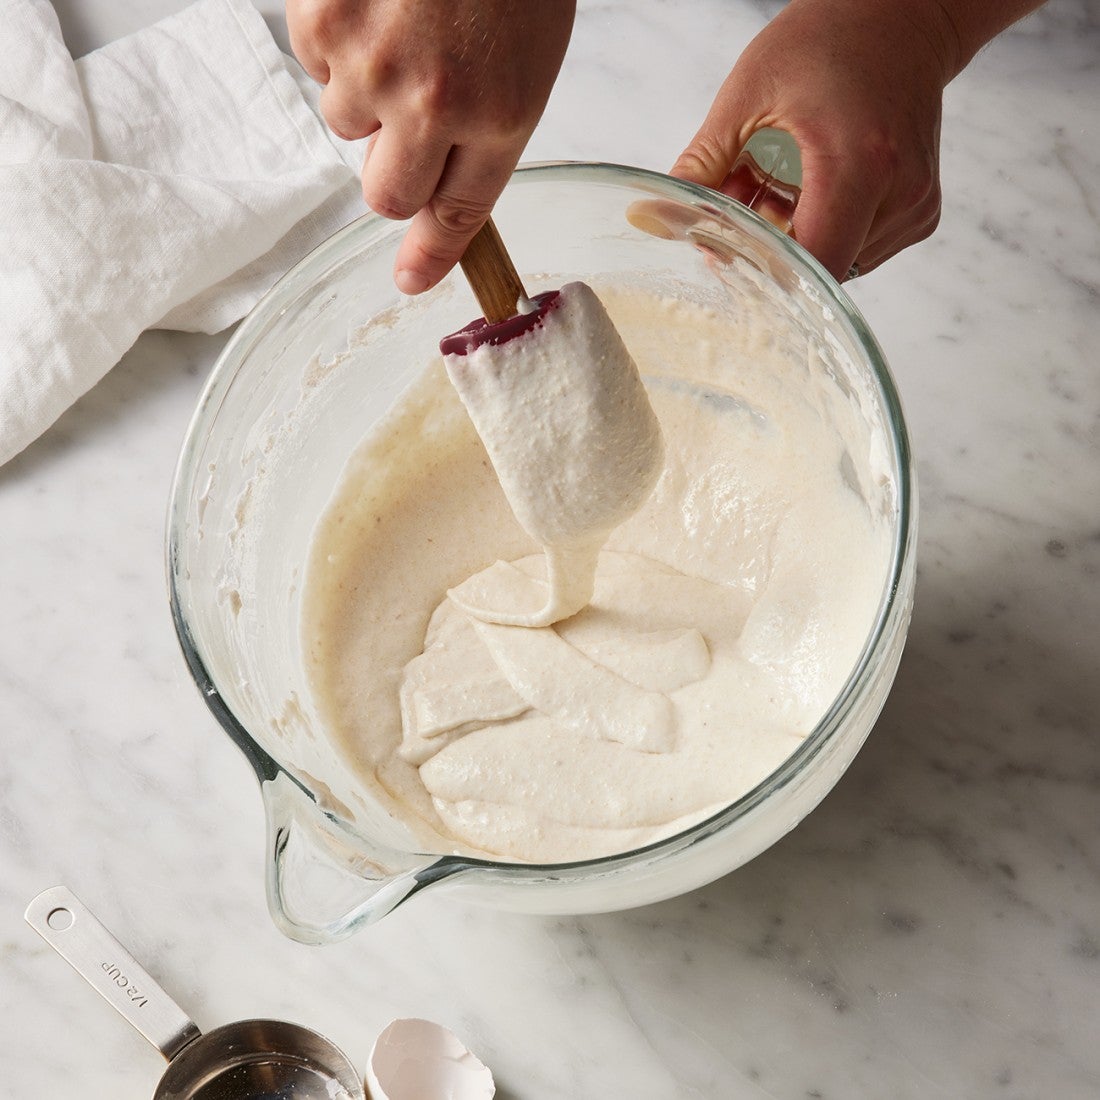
column 410, row 282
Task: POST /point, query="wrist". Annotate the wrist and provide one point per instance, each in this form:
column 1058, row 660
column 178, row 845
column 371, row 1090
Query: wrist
column 911, row 36
column 944, row 34
column 963, row 27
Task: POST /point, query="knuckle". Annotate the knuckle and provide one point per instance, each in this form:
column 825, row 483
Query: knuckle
column 702, row 159
column 379, row 70
column 511, row 121
column 930, row 225
column 882, row 156
column 923, row 187
column 920, row 197
column 433, row 98
column 348, row 112
column 932, row 199
column 335, row 120
column 386, row 202
column 311, row 22
column 456, row 217
column 442, row 103
column 910, row 175
column 342, row 122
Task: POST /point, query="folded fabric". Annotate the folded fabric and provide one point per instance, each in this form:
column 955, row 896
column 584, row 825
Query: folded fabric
column 164, row 181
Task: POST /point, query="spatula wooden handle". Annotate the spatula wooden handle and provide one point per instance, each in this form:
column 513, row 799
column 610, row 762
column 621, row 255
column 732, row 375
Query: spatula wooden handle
column 492, row 275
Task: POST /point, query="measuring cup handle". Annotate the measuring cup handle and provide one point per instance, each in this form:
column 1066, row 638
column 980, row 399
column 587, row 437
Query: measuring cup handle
column 75, row 934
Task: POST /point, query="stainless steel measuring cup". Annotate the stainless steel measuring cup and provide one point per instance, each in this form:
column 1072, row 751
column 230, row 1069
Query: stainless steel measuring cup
column 248, row 1060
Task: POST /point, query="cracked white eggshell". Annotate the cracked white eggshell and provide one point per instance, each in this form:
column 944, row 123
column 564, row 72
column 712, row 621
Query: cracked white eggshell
column 421, row 1060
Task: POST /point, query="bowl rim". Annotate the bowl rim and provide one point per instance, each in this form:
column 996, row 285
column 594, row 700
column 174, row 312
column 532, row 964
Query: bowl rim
column 653, row 184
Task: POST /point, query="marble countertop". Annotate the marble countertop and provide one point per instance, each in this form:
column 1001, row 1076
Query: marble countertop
column 932, row 930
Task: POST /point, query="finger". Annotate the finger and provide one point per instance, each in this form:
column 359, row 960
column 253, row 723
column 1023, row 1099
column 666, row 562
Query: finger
column 906, row 220
column 305, row 42
column 471, row 183
column 887, row 245
column 347, row 110
column 710, row 154
column 714, row 159
column 835, row 212
column 315, row 65
column 400, row 175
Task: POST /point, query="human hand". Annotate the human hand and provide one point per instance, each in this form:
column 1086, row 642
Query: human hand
column 450, row 92
column 859, row 85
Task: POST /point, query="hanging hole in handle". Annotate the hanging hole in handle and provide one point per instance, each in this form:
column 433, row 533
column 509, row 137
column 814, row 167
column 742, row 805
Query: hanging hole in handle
column 60, row 919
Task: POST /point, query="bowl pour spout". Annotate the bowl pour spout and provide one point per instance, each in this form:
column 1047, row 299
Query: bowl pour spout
column 322, row 882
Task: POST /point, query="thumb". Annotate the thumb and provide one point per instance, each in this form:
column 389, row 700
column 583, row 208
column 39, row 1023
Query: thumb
column 704, row 161
column 439, row 233
column 711, row 153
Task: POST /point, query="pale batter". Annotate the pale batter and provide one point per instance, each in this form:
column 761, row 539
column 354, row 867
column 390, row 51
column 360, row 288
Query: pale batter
column 726, row 613
column 564, row 417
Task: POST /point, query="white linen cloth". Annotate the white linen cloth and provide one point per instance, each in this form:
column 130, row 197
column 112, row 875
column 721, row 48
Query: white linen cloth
column 164, row 181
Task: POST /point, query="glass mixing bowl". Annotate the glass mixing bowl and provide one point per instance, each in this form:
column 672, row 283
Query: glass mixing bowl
column 317, row 362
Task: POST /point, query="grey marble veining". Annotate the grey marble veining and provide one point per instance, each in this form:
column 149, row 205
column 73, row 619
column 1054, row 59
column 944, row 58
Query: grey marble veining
column 931, row 930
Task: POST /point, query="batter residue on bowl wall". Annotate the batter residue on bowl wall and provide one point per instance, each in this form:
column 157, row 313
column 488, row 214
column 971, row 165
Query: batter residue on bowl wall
column 728, row 612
